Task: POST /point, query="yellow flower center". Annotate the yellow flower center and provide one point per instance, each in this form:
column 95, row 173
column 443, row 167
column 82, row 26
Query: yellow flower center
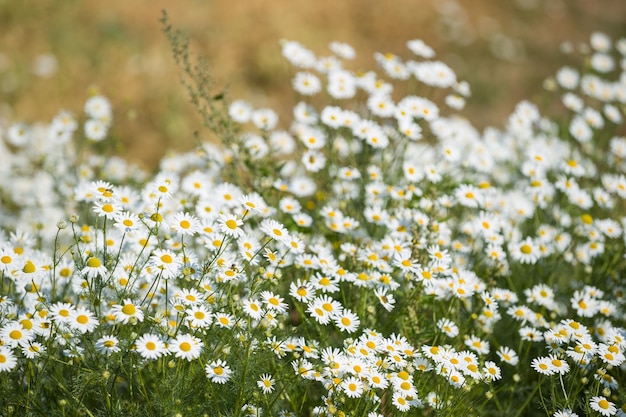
column 26, row 324
column 94, row 262
column 129, row 309
column 29, row 267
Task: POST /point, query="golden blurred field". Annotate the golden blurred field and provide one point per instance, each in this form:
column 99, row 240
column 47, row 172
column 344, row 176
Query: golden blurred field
column 54, row 52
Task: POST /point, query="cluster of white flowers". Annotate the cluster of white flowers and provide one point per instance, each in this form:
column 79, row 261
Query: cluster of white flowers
column 374, row 215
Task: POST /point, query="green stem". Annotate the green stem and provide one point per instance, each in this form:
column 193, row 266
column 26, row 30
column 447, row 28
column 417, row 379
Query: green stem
column 530, row 397
column 242, row 387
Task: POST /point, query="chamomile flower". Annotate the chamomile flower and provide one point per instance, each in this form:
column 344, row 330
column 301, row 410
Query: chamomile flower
column 525, row 251
column 95, row 130
column 8, row 361
column 230, row 225
column 9, row 260
column 163, row 186
column 602, row 62
column 322, row 311
column 385, row 298
column 611, row 354
column 295, row 244
column 455, row 378
column 107, row 209
column 313, row 161
column 377, row 379
column 127, row 312
column 240, row 111
column 302, row 291
column 568, row 78
column 468, row 195
column 32, row 350
column 327, row 284
column 352, row 386
column 448, row 327
column 530, row 334
column 218, row 371
column 559, row 366
column 18, row 134
column 274, row 230
column 507, row 355
column 186, row 346
column 253, row 202
column 543, row 365
column 83, row 320
column 253, row 308
column 61, row 312
column 274, row 302
column 108, row 344
column 306, row 83
column 419, row 48
column 602, row 405
column 14, row 334
column 289, row 205
column 166, row 262
column 266, row 383
column 190, row 296
column 584, row 304
column 185, row 224
column 341, row 84
column 98, row 107
column 127, row 222
column 342, row 50
column 150, row 346
column 347, row 321
column 477, row 345
column 199, row 317
column 224, row 320
column 265, row 119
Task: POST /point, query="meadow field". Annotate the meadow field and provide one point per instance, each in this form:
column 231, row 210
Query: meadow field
column 286, row 208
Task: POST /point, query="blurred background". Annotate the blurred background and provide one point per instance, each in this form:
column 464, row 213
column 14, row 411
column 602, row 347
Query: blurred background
column 53, row 53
